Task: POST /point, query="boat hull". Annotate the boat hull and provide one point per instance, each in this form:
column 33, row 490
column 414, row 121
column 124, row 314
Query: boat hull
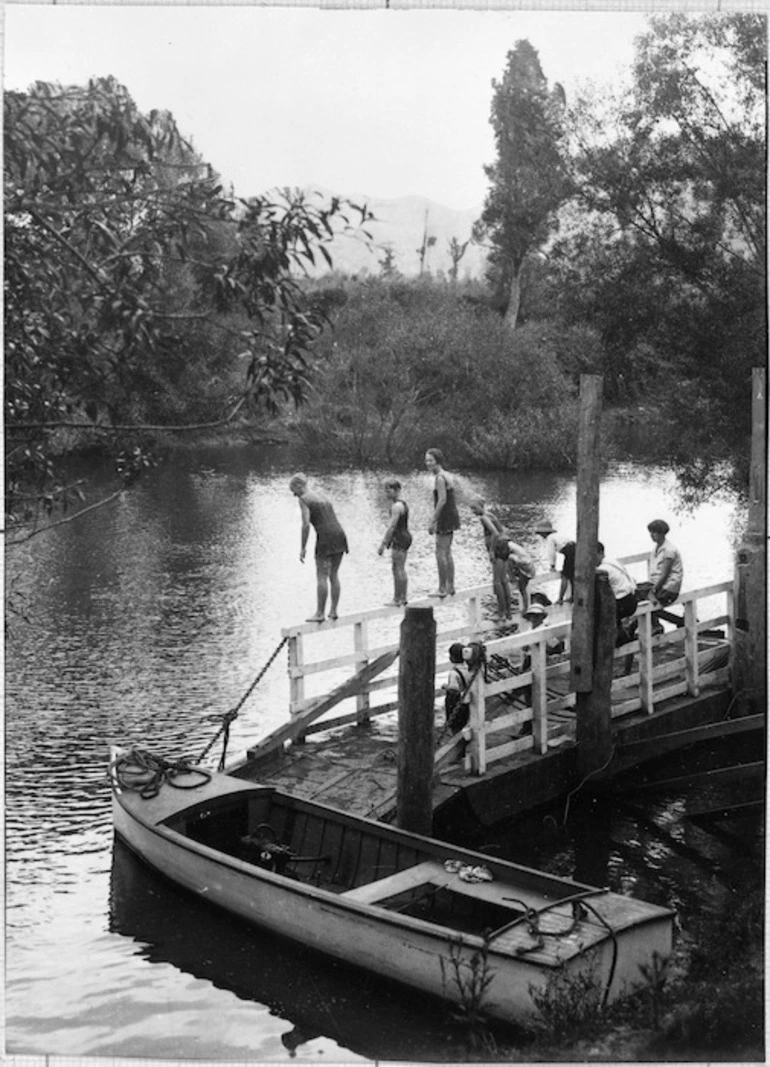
column 356, row 927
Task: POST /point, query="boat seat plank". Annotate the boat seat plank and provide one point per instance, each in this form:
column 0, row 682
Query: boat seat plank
column 496, row 892
column 395, row 883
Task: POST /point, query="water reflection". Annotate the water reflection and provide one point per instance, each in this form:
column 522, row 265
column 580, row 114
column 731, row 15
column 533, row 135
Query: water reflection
column 143, row 620
column 313, row 996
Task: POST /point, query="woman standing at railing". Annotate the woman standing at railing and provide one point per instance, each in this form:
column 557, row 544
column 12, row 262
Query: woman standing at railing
column 445, row 520
column 330, row 546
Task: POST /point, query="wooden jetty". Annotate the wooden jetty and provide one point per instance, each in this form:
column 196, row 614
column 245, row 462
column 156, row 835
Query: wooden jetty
column 541, row 725
column 341, row 745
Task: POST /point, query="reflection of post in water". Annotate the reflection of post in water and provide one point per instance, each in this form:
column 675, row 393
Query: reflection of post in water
column 591, row 834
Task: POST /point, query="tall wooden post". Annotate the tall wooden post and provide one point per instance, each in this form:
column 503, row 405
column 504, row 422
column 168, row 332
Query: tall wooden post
column 416, row 689
column 589, row 470
column 594, row 709
column 749, row 663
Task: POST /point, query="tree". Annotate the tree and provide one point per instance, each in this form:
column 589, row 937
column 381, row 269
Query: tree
column 670, row 261
column 528, row 181
column 428, row 241
column 121, row 250
column 456, row 251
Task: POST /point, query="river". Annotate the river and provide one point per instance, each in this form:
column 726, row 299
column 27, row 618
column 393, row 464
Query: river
column 140, row 621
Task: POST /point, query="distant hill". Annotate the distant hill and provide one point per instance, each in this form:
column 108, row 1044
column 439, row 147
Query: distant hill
column 400, row 224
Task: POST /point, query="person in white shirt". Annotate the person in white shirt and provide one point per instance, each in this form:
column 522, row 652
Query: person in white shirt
column 622, row 585
column 666, row 571
column 555, row 544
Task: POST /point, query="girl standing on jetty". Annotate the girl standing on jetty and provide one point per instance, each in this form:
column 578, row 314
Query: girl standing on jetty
column 398, row 539
column 445, row 520
column 330, row 546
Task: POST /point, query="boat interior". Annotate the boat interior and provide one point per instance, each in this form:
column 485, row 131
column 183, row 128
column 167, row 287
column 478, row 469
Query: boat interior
column 365, row 863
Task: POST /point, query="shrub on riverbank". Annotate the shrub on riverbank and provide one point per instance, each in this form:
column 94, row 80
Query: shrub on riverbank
column 408, row 363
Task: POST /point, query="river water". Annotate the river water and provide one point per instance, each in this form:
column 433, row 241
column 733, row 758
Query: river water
column 140, row 621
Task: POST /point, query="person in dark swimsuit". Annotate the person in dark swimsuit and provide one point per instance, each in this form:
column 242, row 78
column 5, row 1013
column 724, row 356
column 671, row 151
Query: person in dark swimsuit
column 494, row 535
column 445, row 520
column 330, row 546
column 398, row 539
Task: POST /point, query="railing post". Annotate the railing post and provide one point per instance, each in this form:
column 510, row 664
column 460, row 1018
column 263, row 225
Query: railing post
column 691, row 647
column 730, row 627
column 296, row 676
column 362, row 658
column 539, row 698
column 645, row 658
column 476, row 755
column 474, row 613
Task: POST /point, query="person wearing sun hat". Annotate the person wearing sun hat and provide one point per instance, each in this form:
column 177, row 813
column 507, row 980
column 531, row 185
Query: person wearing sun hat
column 535, row 615
column 557, row 544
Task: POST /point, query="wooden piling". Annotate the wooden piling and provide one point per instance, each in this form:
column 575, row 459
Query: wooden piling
column 588, row 473
column 416, row 687
column 594, row 708
column 749, row 663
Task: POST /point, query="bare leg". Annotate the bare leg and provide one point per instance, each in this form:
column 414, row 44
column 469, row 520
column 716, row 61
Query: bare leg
column 322, row 588
column 524, row 592
column 562, row 589
column 446, row 564
column 443, row 545
column 501, row 587
column 398, row 559
column 334, row 582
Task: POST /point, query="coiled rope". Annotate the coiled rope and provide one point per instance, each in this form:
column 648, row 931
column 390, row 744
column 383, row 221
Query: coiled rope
column 230, row 716
column 140, row 772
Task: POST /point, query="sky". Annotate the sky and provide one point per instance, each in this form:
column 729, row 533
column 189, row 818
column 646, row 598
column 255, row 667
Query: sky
column 381, row 103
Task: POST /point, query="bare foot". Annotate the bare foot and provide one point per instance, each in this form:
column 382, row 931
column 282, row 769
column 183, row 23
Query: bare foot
column 318, row 618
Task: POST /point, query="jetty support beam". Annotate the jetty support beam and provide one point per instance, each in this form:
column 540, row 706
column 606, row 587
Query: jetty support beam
column 594, row 708
column 750, row 628
column 588, row 473
column 416, row 689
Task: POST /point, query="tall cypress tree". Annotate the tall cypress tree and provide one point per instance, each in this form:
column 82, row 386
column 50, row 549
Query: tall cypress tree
column 528, row 181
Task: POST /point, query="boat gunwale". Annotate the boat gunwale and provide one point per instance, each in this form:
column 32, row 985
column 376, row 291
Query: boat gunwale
column 382, row 916
column 338, row 901
column 538, row 881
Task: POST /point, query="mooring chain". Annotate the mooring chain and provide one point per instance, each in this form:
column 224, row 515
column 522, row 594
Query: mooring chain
column 229, row 716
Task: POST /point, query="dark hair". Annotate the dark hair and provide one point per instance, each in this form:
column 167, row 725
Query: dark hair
column 456, row 652
column 437, row 454
column 392, row 483
column 600, row 546
column 658, row 526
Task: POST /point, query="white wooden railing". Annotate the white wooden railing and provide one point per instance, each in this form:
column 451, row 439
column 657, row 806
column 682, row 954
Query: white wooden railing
column 537, row 698
column 655, row 675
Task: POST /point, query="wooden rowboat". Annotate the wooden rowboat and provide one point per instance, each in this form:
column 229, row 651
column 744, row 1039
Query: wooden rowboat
column 408, row 907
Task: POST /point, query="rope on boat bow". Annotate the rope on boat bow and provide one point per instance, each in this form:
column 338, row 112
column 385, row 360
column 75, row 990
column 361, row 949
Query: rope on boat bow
column 580, row 908
column 230, row 716
column 141, row 772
